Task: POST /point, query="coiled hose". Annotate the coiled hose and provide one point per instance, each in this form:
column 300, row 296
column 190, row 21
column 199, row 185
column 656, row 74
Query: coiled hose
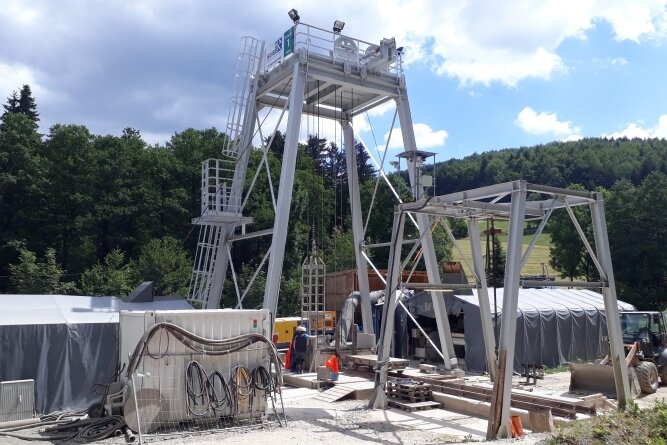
column 241, row 388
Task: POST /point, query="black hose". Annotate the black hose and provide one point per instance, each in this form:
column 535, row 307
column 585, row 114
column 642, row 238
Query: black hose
column 241, row 384
column 196, row 385
column 214, row 398
column 101, row 428
column 81, row 431
column 213, row 347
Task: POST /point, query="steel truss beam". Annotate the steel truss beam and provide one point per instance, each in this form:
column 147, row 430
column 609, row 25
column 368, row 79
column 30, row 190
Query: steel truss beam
column 490, row 202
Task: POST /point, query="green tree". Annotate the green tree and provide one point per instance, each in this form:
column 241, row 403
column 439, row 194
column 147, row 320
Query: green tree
column 167, row 264
column 27, row 103
column 118, row 195
column 636, row 218
column 366, row 170
column 30, row 276
column 568, row 254
column 339, row 252
column 64, row 200
column 112, row 277
column 12, row 105
column 495, row 266
column 20, row 170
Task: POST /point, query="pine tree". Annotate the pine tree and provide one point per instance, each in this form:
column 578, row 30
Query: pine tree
column 12, row 105
column 27, row 103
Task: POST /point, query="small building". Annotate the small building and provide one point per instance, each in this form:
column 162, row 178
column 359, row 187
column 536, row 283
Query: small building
column 65, row 343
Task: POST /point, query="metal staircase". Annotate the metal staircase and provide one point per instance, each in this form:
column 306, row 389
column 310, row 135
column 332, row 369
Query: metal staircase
column 222, row 183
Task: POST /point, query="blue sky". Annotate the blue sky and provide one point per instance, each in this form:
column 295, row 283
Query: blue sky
column 482, row 75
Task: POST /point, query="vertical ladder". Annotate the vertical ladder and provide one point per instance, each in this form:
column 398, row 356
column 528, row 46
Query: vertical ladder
column 222, row 183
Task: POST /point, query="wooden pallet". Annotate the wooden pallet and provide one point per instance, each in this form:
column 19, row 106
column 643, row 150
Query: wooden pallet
column 410, row 397
column 412, row 406
column 409, row 391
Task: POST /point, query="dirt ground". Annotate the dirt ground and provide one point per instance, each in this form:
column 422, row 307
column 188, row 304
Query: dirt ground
column 314, row 422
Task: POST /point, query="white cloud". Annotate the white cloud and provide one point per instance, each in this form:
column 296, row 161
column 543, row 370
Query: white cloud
column 572, row 138
column 481, row 42
column 635, row 130
column 425, row 137
column 619, row 61
column 12, row 77
column 544, row 123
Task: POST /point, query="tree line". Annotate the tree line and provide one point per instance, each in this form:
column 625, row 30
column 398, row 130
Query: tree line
column 96, row 215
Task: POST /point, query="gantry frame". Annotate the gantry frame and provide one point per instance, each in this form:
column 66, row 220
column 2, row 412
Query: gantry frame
column 328, row 79
column 506, row 201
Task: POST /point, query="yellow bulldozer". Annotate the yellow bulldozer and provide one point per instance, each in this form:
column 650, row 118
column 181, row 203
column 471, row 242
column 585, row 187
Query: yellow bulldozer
column 645, row 340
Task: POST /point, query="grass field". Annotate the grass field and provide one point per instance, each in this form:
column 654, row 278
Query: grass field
column 534, row 265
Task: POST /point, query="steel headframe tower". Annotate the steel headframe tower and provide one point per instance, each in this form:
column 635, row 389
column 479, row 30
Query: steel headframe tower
column 509, row 201
column 312, row 71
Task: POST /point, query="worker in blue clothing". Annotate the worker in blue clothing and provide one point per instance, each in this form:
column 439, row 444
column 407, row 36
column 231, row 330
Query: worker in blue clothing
column 299, row 349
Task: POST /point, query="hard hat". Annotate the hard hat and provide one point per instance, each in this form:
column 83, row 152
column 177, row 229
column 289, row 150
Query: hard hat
column 300, row 329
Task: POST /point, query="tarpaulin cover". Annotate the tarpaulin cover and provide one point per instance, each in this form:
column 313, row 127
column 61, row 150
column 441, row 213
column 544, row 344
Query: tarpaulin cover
column 65, row 343
column 554, row 326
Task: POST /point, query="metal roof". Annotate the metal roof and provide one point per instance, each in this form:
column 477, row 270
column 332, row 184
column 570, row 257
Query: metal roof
column 74, row 309
column 549, row 299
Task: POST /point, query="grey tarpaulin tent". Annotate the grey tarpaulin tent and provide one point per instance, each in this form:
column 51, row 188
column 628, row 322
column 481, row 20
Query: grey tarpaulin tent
column 554, row 326
column 65, row 343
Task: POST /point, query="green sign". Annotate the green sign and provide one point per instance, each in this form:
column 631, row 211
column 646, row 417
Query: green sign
column 288, row 42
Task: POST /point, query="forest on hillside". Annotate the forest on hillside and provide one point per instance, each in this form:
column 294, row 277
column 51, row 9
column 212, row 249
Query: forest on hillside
column 98, row 214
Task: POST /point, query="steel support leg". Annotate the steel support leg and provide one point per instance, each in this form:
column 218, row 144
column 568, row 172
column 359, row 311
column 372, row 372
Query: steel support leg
column 379, row 398
column 274, row 273
column 432, row 269
column 610, row 303
column 483, row 296
column 220, row 266
column 357, row 226
column 510, row 300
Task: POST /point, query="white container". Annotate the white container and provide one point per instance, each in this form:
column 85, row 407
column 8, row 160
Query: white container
column 163, row 371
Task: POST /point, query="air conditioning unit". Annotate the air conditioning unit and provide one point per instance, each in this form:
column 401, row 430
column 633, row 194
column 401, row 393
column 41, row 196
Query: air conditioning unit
column 17, row 400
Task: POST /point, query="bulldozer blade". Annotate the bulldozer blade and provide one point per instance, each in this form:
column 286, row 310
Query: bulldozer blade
column 598, row 378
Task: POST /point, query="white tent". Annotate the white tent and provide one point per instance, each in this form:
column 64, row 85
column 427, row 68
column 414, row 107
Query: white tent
column 554, row 325
column 65, row 343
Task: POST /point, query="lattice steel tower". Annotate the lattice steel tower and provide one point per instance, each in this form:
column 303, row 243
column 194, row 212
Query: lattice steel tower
column 327, row 75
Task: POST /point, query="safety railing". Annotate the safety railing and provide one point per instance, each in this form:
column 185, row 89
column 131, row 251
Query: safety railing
column 329, row 45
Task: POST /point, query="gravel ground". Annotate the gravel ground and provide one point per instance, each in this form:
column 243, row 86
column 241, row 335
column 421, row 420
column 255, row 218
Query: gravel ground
column 315, row 422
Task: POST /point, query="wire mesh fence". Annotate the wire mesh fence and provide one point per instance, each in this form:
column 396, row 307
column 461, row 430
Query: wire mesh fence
column 181, row 383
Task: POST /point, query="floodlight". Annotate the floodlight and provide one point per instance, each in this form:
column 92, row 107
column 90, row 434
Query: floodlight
column 294, row 15
column 338, row 26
